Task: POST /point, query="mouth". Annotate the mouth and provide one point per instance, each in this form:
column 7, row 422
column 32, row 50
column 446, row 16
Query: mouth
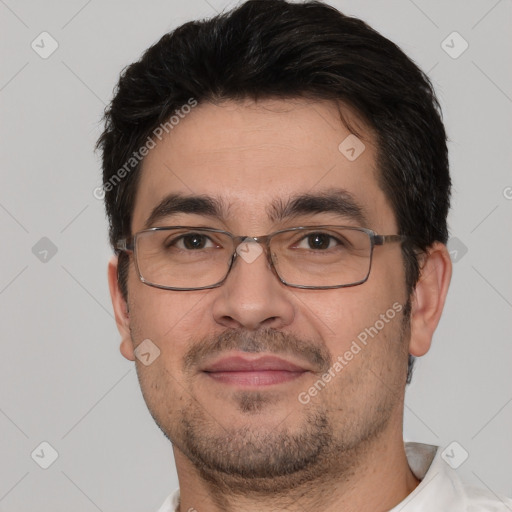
column 247, row 371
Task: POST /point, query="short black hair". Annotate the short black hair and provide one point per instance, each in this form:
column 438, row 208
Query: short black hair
column 275, row 49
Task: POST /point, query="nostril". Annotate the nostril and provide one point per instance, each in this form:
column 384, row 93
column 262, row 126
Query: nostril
column 230, row 322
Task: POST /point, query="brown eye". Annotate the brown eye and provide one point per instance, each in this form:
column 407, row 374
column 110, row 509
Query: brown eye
column 190, row 242
column 319, row 241
column 194, row 241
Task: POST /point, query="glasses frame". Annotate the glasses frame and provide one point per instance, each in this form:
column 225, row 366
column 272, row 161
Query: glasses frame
column 129, row 245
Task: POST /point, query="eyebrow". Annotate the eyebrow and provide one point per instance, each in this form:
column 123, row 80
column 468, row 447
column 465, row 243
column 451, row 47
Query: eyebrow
column 176, row 203
column 337, row 201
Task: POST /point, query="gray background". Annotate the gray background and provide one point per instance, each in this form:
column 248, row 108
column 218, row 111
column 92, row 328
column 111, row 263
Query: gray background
column 63, row 378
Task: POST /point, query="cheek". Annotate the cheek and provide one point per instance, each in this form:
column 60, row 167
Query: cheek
column 367, row 347
column 163, row 389
column 164, row 316
column 164, row 324
column 359, row 314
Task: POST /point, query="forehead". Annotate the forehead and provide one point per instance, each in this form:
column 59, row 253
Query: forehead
column 251, row 155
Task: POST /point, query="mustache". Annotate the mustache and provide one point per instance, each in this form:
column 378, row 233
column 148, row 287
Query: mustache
column 265, row 340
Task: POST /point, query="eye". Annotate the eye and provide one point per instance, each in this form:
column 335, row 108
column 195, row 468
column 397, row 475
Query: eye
column 318, row 241
column 192, row 241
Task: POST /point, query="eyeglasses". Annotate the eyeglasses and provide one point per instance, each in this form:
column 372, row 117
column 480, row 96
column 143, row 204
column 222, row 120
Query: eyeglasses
column 311, row 257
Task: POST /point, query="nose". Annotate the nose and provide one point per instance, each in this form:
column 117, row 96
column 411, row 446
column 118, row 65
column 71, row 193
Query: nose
column 252, row 296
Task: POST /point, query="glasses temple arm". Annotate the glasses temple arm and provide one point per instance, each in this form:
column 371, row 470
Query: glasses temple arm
column 384, row 239
column 124, row 244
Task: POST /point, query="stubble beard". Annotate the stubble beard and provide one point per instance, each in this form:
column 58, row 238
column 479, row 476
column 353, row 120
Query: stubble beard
column 274, row 459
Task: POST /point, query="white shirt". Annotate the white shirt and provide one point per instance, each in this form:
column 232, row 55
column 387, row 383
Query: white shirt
column 440, row 489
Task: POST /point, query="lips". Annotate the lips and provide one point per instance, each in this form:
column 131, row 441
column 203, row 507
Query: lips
column 260, row 371
column 242, row 364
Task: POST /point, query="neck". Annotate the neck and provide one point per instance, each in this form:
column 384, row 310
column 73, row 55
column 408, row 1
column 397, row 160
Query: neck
column 379, row 479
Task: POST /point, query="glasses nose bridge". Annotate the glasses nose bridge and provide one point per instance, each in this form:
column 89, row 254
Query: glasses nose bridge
column 263, row 240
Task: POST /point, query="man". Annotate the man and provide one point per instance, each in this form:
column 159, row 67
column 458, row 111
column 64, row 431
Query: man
column 276, row 180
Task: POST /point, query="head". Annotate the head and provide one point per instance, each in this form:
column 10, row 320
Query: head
column 243, row 118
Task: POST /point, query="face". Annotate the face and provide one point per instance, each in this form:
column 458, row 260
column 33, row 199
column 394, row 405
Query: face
column 255, row 378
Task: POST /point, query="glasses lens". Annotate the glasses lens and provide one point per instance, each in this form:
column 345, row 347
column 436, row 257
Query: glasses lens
column 321, row 257
column 183, row 258
column 187, row 258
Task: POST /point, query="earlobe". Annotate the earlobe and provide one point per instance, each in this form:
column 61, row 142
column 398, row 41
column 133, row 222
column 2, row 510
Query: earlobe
column 120, row 310
column 429, row 297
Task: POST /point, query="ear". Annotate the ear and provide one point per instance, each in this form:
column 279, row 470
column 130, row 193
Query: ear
column 120, row 310
column 429, row 297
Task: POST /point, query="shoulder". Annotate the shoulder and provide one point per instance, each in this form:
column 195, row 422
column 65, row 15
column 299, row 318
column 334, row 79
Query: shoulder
column 442, row 490
column 171, row 503
column 480, row 500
